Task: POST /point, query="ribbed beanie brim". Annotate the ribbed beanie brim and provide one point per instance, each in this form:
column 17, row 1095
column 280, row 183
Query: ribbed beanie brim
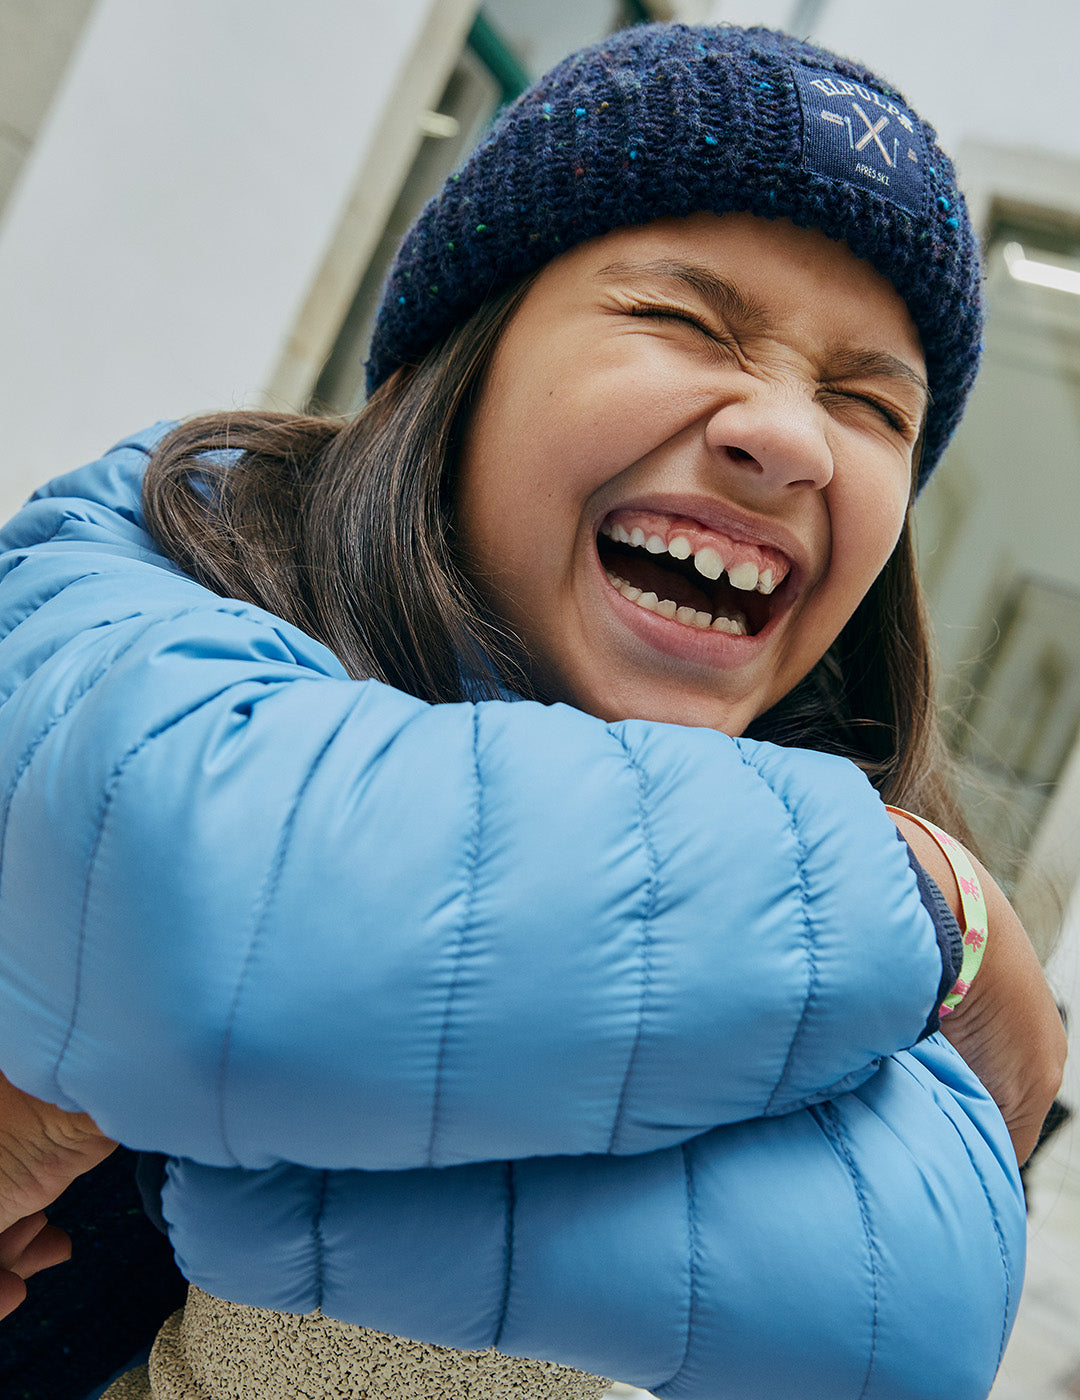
column 669, row 120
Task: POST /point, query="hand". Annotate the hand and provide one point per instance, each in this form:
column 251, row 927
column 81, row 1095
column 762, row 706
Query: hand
column 29, row 1245
column 1007, row 1028
column 42, row 1150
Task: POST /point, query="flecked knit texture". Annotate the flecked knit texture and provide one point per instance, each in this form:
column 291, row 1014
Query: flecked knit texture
column 213, row 1350
column 670, row 120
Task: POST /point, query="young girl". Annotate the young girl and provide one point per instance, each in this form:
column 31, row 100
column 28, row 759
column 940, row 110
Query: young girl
column 596, row 1031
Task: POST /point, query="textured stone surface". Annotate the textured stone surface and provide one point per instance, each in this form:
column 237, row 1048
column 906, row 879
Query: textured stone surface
column 214, row 1350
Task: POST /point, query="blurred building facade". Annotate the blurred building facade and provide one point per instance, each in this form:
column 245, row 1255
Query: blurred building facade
column 198, row 200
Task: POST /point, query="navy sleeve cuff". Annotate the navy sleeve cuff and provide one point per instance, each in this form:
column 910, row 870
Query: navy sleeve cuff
column 949, row 937
column 150, row 1180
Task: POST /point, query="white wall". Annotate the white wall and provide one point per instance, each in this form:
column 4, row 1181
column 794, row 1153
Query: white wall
column 36, row 40
column 1005, row 74
column 180, row 206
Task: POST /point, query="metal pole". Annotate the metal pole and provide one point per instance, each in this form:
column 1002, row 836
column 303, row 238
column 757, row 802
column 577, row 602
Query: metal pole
column 805, row 17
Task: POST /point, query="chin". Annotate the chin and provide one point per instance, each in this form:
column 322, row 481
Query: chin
column 693, row 711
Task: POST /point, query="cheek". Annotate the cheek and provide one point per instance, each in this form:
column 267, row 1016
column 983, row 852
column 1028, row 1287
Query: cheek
column 534, row 463
column 509, row 509
column 893, row 514
column 868, row 521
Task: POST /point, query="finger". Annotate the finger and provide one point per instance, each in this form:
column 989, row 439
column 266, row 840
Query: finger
column 49, row 1246
column 12, row 1292
column 15, row 1239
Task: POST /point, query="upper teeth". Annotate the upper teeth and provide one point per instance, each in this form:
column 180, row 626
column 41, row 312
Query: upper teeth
column 708, row 560
column 743, row 576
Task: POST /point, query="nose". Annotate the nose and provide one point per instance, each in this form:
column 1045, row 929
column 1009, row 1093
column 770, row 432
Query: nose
column 774, row 434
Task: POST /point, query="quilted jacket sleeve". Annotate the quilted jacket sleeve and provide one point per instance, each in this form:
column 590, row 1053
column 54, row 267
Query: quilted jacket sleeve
column 870, row 1248
column 254, row 912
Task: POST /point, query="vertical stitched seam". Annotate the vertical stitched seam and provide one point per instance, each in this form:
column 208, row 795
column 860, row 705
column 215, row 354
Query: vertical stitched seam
column 693, row 1237
column 808, row 937
column 261, row 912
column 828, row 1114
column 1002, row 1252
column 511, row 1203
column 36, row 743
column 108, row 792
column 648, row 913
column 995, row 1218
column 320, row 1241
column 461, row 938
column 1004, row 1256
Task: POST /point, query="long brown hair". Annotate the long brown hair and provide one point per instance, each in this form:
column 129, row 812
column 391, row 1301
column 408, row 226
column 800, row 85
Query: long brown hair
column 871, row 698
column 346, row 529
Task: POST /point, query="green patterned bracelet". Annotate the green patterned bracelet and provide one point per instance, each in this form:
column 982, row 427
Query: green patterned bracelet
column 972, row 904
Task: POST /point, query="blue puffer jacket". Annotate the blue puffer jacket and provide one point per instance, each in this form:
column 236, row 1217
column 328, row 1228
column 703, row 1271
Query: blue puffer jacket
column 483, row 1024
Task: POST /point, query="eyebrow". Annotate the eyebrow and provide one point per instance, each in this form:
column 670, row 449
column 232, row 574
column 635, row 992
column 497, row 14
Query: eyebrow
column 723, row 298
column 877, row 364
column 731, row 304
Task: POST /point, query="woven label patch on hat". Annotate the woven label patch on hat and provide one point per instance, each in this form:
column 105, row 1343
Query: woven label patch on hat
column 855, row 134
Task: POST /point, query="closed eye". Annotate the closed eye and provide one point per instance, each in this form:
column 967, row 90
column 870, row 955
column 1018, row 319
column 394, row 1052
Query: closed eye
column 887, row 412
column 660, row 312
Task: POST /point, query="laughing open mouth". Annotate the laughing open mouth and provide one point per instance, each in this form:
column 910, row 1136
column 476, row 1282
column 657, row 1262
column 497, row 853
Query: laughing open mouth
column 692, row 576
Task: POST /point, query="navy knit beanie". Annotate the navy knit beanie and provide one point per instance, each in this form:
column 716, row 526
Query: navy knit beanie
column 669, row 120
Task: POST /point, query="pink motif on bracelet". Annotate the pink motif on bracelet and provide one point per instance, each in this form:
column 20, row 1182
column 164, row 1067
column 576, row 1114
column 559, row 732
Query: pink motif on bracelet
column 972, row 905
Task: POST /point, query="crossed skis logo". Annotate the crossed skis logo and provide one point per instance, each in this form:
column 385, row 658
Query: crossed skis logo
column 853, row 133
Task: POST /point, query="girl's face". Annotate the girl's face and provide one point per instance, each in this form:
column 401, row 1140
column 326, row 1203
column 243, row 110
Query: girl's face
column 691, row 457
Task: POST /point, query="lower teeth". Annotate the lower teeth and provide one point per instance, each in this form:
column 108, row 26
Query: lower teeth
column 689, row 617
